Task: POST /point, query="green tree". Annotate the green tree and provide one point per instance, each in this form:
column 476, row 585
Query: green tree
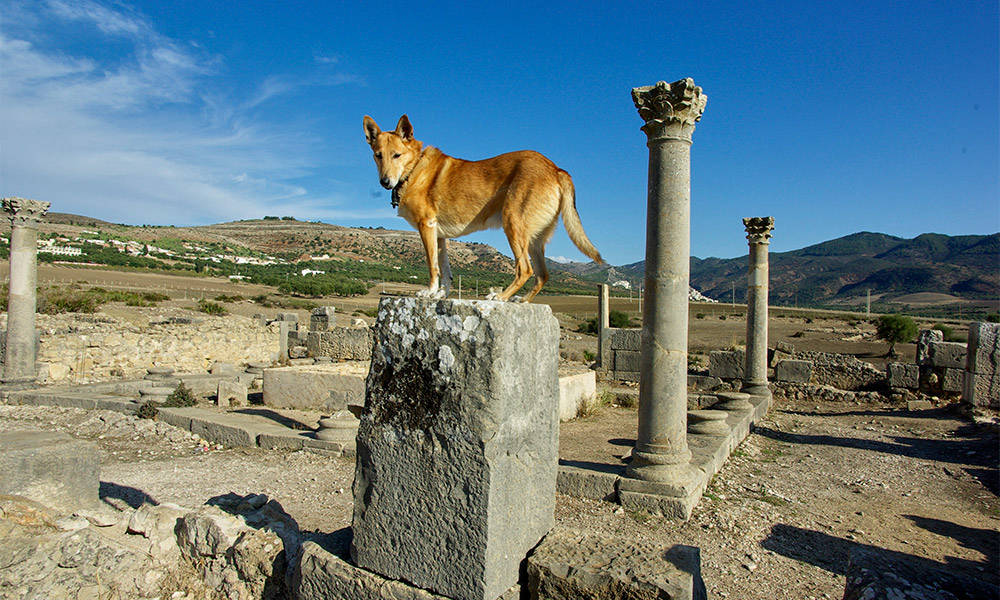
column 895, row 329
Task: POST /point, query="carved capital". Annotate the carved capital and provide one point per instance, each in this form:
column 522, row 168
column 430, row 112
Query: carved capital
column 670, row 110
column 24, row 212
column 758, row 229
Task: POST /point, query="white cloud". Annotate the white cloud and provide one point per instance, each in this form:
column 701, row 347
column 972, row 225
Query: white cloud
column 145, row 137
column 560, row 259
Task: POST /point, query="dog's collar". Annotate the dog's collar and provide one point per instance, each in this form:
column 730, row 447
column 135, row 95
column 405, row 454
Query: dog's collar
column 402, row 181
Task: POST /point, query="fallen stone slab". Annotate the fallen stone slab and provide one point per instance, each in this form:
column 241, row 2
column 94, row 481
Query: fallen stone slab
column 794, row 371
column 569, row 565
column 308, row 387
column 575, row 387
column 50, row 468
column 946, row 354
column 341, row 343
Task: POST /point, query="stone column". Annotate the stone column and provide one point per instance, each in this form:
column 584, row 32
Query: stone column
column 661, row 452
column 755, row 367
column 603, row 322
column 19, row 353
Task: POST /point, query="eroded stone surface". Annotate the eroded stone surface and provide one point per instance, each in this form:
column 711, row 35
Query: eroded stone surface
column 49, row 467
column 457, row 444
column 569, row 566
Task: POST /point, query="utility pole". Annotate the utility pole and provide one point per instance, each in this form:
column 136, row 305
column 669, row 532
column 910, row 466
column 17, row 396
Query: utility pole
column 734, row 298
column 459, row 286
column 868, row 305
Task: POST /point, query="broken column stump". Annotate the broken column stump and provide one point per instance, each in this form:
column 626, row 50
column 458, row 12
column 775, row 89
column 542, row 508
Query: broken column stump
column 457, row 446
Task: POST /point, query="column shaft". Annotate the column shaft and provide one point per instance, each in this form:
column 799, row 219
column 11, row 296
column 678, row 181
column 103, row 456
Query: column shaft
column 661, row 452
column 603, row 323
column 19, row 352
column 755, row 367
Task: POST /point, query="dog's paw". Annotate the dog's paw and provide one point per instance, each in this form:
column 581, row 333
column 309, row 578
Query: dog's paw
column 517, row 298
column 433, row 294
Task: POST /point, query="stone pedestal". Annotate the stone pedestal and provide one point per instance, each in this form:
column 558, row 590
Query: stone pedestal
column 755, row 371
column 708, row 422
column 733, row 401
column 19, row 349
column 457, row 446
column 661, row 452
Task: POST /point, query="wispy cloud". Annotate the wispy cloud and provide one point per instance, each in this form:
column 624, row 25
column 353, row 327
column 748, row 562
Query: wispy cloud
column 145, row 136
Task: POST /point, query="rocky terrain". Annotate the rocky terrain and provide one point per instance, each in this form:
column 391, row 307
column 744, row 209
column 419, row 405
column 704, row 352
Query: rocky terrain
column 811, row 483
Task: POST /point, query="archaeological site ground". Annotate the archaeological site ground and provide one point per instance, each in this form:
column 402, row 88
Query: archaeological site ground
column 204, row 437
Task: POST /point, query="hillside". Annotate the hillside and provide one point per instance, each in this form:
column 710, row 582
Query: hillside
column 841, row 271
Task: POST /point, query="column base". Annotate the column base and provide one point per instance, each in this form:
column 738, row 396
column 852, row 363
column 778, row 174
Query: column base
column 668, row 470
column 673, row 499
column 756, row 389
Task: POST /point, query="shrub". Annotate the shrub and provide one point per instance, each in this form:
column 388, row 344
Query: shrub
column 949, row 334
column 182, row 396
column 212, row 308
column 230, row 298
column 616, row 318
column 700, row 316
column 993, row 318
column 154, row 297
column 895, row 329
column 722, row 317
column 147, row 411
column 588, row 355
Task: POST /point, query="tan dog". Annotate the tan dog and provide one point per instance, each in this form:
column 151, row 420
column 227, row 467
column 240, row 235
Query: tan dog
column 445, row 197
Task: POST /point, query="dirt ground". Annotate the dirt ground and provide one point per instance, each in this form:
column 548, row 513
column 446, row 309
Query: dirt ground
column 811, row 482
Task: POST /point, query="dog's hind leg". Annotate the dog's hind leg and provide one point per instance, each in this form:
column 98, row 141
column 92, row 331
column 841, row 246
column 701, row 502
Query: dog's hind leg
column 442, row 245
column 537, row 253
column 522, row 268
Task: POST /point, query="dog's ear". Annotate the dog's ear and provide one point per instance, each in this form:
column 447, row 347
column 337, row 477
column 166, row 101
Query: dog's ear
column 371, row 130
column 404, row 129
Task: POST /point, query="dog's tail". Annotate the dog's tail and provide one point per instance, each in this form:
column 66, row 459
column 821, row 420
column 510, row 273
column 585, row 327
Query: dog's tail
column 571, row 219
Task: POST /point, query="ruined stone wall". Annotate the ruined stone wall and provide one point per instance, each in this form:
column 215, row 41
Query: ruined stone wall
column 81, row 347
column 843, row 371
column 620, row 353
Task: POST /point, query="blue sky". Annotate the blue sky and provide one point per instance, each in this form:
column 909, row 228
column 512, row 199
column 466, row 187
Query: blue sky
column 833, row 117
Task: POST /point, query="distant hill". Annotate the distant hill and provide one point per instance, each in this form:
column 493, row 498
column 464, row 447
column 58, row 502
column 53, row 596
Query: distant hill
column 841, row 271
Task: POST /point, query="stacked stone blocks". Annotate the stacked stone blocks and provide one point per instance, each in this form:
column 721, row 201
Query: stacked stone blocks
column 981, row 386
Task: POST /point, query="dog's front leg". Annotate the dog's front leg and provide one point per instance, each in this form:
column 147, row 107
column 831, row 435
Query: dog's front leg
column 428, row 235
column 442, row 246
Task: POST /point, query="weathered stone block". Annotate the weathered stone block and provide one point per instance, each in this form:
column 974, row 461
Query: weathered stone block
column 231, row 393
column 726, row 364
column 322, row 318
column 298, row 352
column 341, row 343
column 308, row 387
column 625, row 339
column 794, row 371
column 569, row 565
column 946, row 354
column 924, row 339
column 901, row 375
column 457, row 446
column 627, row 360
column 981, row 390
column 50, row 468
column 984, row 348
column 575, row 388
column 289, row 317
column 952, row 380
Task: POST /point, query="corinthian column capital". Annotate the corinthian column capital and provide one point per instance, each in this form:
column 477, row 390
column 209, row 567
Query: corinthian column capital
column 24, row 212
column 758, row 229
column 670, row 110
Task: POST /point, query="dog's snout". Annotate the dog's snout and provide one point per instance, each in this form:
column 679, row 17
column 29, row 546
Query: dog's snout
column 385, row 183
